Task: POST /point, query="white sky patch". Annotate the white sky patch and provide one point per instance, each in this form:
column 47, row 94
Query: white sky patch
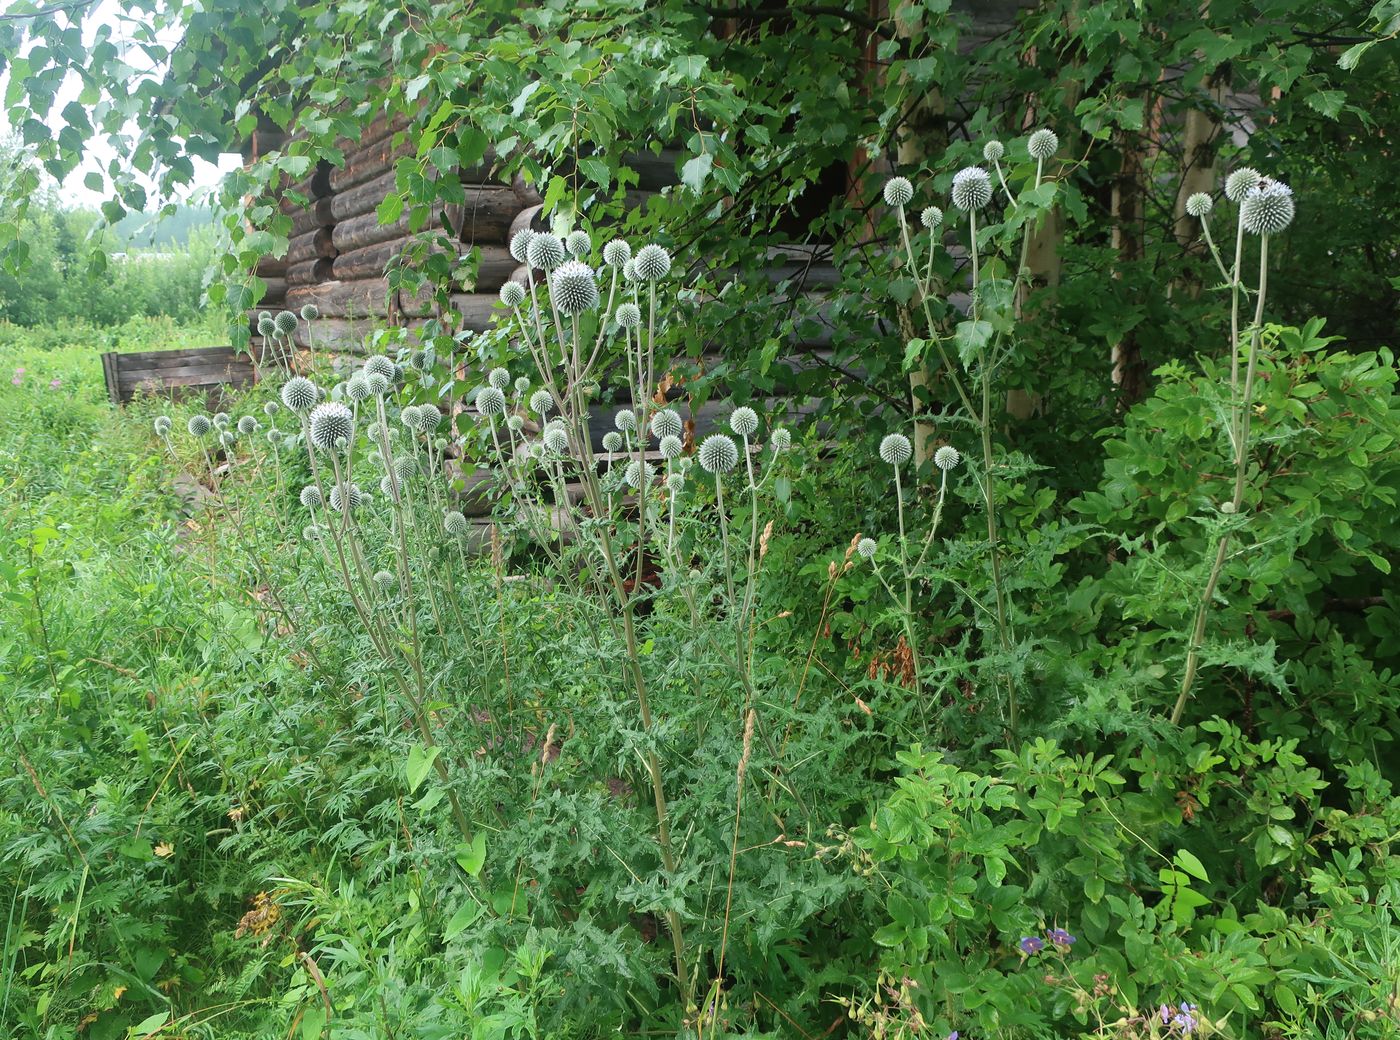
column 98, row 153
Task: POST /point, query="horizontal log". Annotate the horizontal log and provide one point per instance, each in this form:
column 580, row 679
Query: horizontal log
column 180, row 375
column 309, row 272
column 487, row 214
column 477, row 310
column 494, row 268
column 309, row 218
column 367, row 298
column 315, row 185
column 342, row 334
column 418, row 305
column 368, row 262
column 276, row 290
column 270, row 267
column 363, row 198
column 532, row 218
column 526, row 192
column 165, row 381
column 365, row 230
column 316, row 243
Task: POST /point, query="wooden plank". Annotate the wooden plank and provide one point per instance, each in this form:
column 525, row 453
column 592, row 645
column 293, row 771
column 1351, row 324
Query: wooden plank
column 128, row 375
column 342, row 334
column 187, row 381
column 144, row 355
column 363, row 198
column 477, row 310
column 109, row 375
column 368, row 262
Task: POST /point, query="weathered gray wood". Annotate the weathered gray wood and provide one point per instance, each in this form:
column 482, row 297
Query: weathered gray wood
column 367, row 298
column 487, row 214
column 363, row 198
column 139, row 356
column 365, row 230
column 477, row 310
column 309, row 272
column 309, row 218
column 343, row 334
column 311, row 245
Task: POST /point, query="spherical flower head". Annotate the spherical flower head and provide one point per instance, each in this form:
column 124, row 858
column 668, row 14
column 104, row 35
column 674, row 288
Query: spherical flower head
column 520, row 244
column 542, row 402
column 616, row 253
column 556, row 439
column 426, row 419
column 512, row 294
column 161, row 425
column 578, row 244
column 1043, row 144
column 515, row 423
column 638, row 475
column 1199, row 205
column 310, row 312
column 405, row 467
column 1061, row 938
column 330, row 424
column 271, row 408
column 612, row 441
column 972, row 188
column 898, row 192
column 454, row 523
column 357, row 387
column 674, row 483
column 312, row 532
column 718, row 454
column 498, row 377
column 1241, row 183
column 267, row 328
column 545, row 252
column 780, row 439
column 671, row 447
column 300, row 394
column 377, row 384
column 199, row 425
column 629, row 271
column 350, row 497
column 626, row 420
column 221, row 420
column 866, row 548
column 931, row 217
column 381, row 364
column 744, row 422
column 628, row 315
column 896, row 449
column 491, row 401
column 385, row 582
column 227, row 437
column 311, row 497
column 992, row 151
column 574, row 288
column 248, row 425
column 409, row 416
column 389, row 485
column 521, row 385
column 274, row 437
column 264, row 315
column 1031, row 945
column 1268, row 208
column 946, row 458
column 652, row 263
column 418, row 360
column 666, row 423
column 286, row 322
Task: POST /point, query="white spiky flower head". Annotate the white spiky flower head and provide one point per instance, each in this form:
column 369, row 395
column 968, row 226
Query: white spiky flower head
column 866, row 548
column 671, row 447
column 271, row 408
column 898, row 192
column 556, row 439
column 626, row 420
column 629, row 271
column 515, row 423
column 300, row 394
column 498, row 377
column 616, row 253
column 426, row 419
column 666, row 423
column 574, row 288
column 383, row 365
column 1268, row 208
column 357, row 388
column 377, row 384
column 161, row 425
column 542, row 402
column 520, row 244
column 285, row 322
column 490, row 401
column 780, row 439
column 718, row 454
column 638, row 475
column 628, row 315
column 947, row 457
column 652, row 263
column 227, row 437
column 310, row 312
column 385, row 582
column 311, row 497
column 578, row 244
column 992, row 151
column 331, row 425
column 266, row 328
column 274, row 437
column 1240, row 183
column 248, row 425
column 1043, row 144
column 454, row 523
column 545, row 251
column 1199, row 204
column 312, row 532
column 612, row 441
column 409, row 416
column 744, row 422
column 931, row 217
column 350, row 496
column 972, row 188
column 389, row 485
column 512, row 294
column 221, row 420
column 405, row 467
column 522, row 384
column 896, row 450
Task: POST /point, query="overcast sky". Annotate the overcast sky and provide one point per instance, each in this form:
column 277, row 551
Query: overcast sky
column 74, row 193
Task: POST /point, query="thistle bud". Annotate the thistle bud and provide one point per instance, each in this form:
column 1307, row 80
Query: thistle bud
column 992, row 151
column 718, row 454
column 946, row 458
column 666, row 423
column 744, row 422
column 896, row 450
column 578, row 244
column 652, row 263
column 1043, row 144
column 898, row 192
column 499, row 378
column 972, row 188
column 512, row 294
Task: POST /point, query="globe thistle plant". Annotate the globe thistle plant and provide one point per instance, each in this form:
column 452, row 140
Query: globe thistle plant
column 345, row 496
column 718, row 454
column 573, row 288
column 382, row 365
column 578, row 244
column 1267, row 209
column 556, row 439
column 199, row 425
column 311, row 497
column 498, row 377
column 542, row 402
column 520, row 245
column 744, row 422
column 1240, row 183
column 1043, row 145
column 310, row 312
column 285, row 323
column 780, row 439
column 162, row 425
column 866, row 548
column 330, row 425
column 652, row 263
column 299, row 394
column 946, row 458
column 972, row 188
column 454, row 523
column 666, row 423
column 616, row 253
column 1199, row 205
column 221, row 420
column 512, row 294
column 931, row 217
column 247, row 425
column 898, row 192
column 628, row 315
column 545, row 252
column 625, row 420
column 671, row 447
column 491, row 401
column 612, row 442
column 896, row 450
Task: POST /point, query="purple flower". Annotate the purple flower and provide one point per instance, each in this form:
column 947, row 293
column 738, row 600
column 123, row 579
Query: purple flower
column 55, row 383
column 1031, row 945
column 1185, row 1019
column 16, row 380
column 1060, row 937
column 1166, row 1014
column 953, row 1035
